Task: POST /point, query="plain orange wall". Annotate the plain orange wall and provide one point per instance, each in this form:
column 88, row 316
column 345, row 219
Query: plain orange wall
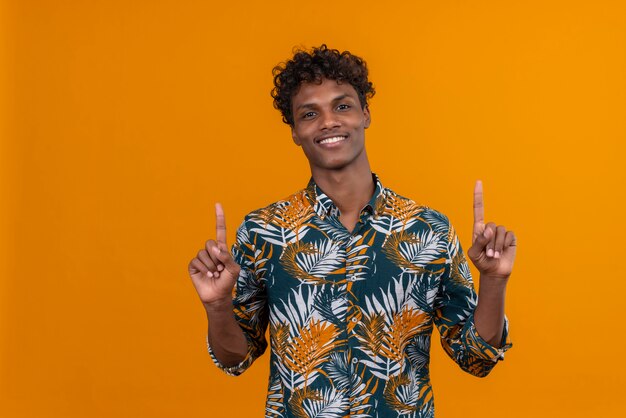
column 123, row 122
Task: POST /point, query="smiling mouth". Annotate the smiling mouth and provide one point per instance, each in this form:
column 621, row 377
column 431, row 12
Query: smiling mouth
column 333, row 139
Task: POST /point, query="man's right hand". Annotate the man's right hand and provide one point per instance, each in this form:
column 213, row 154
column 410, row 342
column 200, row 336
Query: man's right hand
column 214, row 271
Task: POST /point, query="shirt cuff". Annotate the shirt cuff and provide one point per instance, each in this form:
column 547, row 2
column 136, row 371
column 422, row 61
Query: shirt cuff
column 482, row 348
column 235, row 370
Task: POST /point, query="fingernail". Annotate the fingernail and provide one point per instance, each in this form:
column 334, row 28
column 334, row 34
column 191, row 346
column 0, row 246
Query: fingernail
column 496, row 254
column 490, row 253
column 220, row 267
column 209, row 274
column 216, row 274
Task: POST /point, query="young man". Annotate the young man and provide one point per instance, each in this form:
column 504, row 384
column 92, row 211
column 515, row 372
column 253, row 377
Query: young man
column 350, row 276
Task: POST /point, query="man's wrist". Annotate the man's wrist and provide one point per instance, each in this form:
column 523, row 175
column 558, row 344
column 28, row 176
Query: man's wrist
column 219, row 306
column 491, row 283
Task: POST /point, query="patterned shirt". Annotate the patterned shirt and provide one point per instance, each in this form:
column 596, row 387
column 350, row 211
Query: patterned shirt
column 351, row 313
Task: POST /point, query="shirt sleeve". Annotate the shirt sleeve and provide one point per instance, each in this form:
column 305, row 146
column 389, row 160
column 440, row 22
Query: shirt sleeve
column 249, row 304
column 454, row 315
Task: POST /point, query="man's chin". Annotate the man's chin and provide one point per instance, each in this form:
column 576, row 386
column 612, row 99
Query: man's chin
column 338, row 163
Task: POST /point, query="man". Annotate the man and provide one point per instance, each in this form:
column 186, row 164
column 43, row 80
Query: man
column 350, row 276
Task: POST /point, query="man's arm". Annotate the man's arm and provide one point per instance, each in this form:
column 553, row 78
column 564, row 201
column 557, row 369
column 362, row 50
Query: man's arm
column 489, row 314
column 225, row 336
column 493, row 253
column 214, row 273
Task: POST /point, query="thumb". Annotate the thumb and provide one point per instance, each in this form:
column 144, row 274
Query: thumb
column 479, row 244
column 223, row 255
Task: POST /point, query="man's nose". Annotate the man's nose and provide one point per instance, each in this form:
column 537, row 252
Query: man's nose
column 330, row 120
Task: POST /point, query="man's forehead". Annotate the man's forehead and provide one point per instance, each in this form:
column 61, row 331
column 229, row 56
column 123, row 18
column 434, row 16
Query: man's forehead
column 324, row 89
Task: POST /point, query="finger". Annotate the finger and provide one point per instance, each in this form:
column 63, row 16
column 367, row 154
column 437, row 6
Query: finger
column 478, row 247
column 211, row 246
column 499, row 241
column 510, row 240
column 197, row 266
column 479, row 210
column 220, row 224
column 204, row 257
column 223, row 255
column 492, row 239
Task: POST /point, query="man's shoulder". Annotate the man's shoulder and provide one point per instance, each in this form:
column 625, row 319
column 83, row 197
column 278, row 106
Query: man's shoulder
column 268, row 213
column 396, row 203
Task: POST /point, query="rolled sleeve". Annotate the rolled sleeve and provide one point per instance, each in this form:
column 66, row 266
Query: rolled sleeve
column 235, row 370
column 481, row 348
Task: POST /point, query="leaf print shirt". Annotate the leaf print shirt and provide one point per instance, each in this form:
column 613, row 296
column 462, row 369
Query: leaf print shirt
column 351, row 313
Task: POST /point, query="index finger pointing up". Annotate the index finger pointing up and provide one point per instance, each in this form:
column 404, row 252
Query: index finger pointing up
column 479, row 209
column 220, row 224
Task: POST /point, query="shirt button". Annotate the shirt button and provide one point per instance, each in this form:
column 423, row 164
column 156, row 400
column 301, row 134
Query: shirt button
column 355, row 360
column 355, row 320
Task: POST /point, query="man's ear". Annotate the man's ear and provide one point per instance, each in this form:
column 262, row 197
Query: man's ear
column 295, row 137
column 368, row 117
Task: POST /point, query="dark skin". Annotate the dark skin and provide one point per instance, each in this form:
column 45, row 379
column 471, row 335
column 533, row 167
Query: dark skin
column 332, row 110
column 493, row 254
column 329, row 125
column 214, row 273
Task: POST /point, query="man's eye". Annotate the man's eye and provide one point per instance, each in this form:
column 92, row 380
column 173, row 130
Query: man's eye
column 308, row 115
column 343, row 107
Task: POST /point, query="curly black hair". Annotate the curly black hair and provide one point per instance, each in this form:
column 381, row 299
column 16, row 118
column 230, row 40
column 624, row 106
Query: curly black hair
column 312, row 66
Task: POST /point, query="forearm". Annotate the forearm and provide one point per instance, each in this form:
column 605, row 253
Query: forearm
column 227, row 340
column 489, row 314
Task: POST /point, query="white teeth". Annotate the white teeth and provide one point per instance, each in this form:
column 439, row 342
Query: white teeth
column 332, row 140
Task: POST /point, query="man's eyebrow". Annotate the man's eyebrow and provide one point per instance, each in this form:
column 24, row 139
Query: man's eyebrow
column 336, row 99
column 307, row 105
column 343, row 96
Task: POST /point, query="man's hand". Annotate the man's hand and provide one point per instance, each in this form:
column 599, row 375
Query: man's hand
column 213, row 271
column 493, row 247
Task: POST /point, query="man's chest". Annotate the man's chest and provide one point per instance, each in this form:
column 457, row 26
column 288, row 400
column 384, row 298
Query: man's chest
column 371, row 268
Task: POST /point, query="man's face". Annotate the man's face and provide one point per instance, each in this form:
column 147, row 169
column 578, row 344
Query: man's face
column 329, row 124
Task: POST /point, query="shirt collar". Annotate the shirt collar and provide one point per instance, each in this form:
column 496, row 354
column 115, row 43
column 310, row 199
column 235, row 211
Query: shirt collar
column 324, row 206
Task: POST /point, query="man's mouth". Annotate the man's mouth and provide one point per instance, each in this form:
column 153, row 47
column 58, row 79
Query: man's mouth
column 332, row 139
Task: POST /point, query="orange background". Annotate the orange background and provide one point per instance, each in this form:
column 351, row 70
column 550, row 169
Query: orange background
column 123, row 122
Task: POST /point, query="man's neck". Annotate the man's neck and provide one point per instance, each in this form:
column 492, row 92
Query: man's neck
column 350, row 189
